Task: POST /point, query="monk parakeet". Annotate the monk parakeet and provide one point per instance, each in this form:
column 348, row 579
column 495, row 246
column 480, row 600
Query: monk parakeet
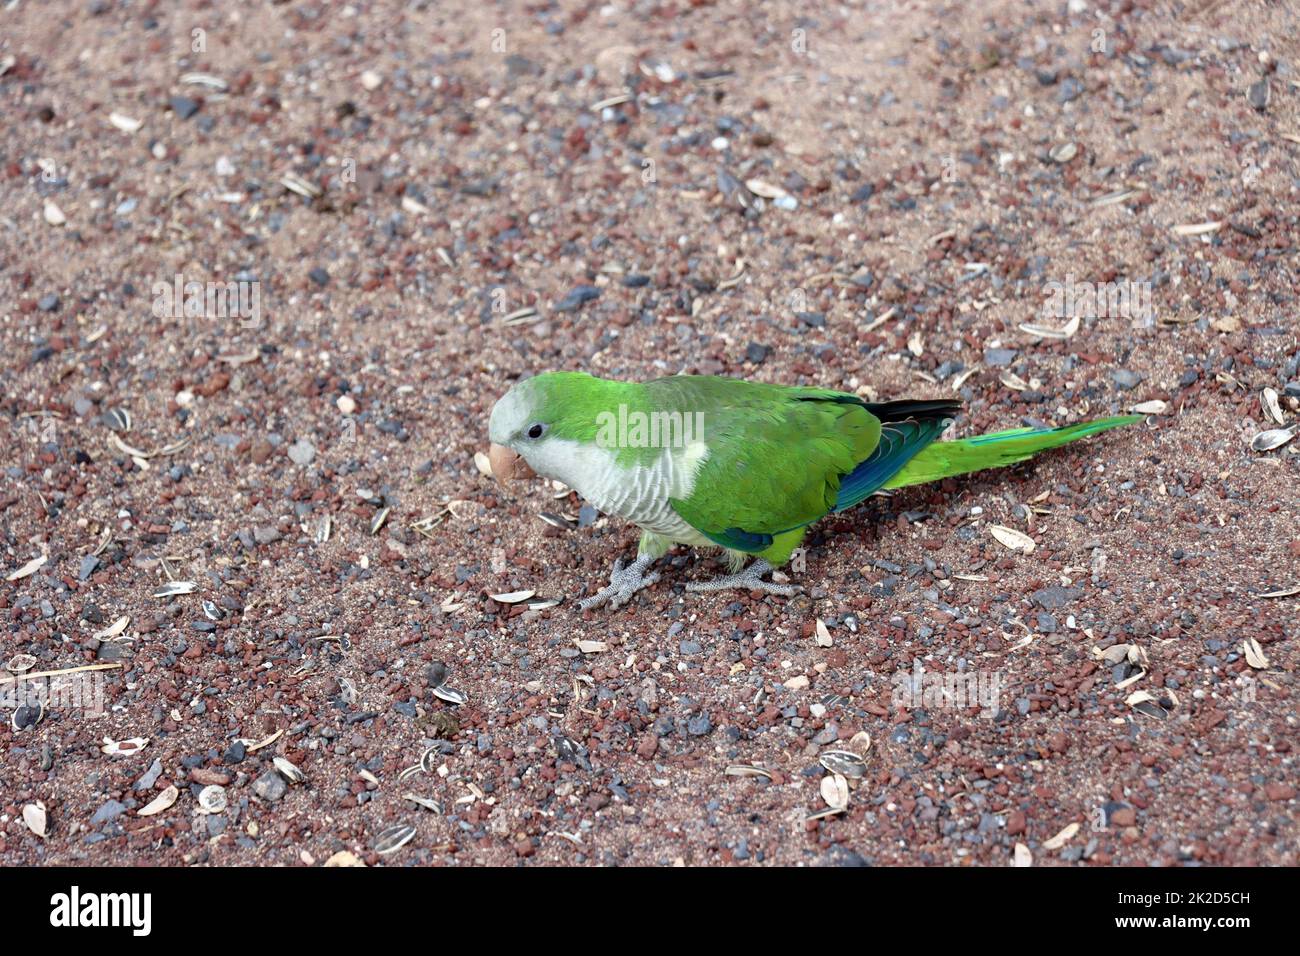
column 725, row 463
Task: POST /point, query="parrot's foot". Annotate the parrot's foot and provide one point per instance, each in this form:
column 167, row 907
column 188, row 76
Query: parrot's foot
column 623, row 583
column 750, row 579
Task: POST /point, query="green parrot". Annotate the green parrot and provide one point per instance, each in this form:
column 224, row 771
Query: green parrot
column 725, row 463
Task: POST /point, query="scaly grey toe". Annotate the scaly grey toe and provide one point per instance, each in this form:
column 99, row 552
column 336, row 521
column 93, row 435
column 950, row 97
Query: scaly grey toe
column 623, row 583
column 750, row 579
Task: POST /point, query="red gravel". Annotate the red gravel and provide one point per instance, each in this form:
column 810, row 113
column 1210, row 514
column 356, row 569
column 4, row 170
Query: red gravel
column 516, row 193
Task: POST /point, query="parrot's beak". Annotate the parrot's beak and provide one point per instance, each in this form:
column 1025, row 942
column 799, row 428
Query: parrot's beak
column 506, row 464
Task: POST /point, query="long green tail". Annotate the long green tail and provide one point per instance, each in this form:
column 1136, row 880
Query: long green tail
column 943, row 459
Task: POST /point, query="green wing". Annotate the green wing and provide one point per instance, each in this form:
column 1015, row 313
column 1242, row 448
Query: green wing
column 776, row 455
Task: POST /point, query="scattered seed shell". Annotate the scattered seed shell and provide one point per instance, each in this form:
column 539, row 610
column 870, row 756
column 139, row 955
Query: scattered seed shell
column 424, row 802
column 823, row 634
column 1255, row 656
column 159, row 803
column 123, row 748
column 127, row 124
column 835, row 791
column 205, row 79
column 1011, row 538
column 28, row 569
column 174, row 588
column 1273, row 438
column 394, row 838
column 296, row 184
column 1268, row 399
column 212, row 799
column 1284, row 592
column 1047, row 332
column 449, row 694
column 1197, row 228
column 35, row 817
column 1062, row 838
column 512, row 597
column 288, row 770
column 1063, row 152
column 344, row 858
column 1154, row 407
column 483, row 464
column 747, row 770
column 20, row 663
column 844, row 763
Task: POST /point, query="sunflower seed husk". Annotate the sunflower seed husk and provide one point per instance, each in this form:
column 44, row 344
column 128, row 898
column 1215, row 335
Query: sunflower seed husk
column 1268, row 399
column 1273, row 438
column 20, row 663
column 23, row 714
column 556, row 521
column 288, row 770
column 843, row 762
column 344, row 858
column 296, row 184
column 1111, row 198
column 379, row 520
column 823, row 634
column 424, row 802
column 205, row 79
column 1015, row 540
column 1197, row 228
column 173, row 588
column 483, row 464
column 212, row 799
column 1062, row 838
column 118, row 419
column 449, row 694
column 35, row 817
column 835, row 791
column 123, row 748
column 28, row 569
column 512, row 597
column 1063, row 152
column 1047, row 332
column 747, row 770
column 521, row 316
column 1255, row 656
column 1284, row 592
column 1153, row 407
column 159, row 803
column 394, row 838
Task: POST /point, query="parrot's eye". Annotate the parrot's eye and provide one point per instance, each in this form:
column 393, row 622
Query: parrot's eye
column 537, row 430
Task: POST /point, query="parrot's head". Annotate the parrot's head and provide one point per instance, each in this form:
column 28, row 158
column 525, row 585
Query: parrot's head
column 534, row 425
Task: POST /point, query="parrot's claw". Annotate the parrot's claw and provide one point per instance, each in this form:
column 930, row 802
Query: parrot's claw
column 750, row 579
column 623, row 583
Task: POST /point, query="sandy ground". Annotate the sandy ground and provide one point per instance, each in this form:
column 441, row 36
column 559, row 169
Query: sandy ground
column 867, row 196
